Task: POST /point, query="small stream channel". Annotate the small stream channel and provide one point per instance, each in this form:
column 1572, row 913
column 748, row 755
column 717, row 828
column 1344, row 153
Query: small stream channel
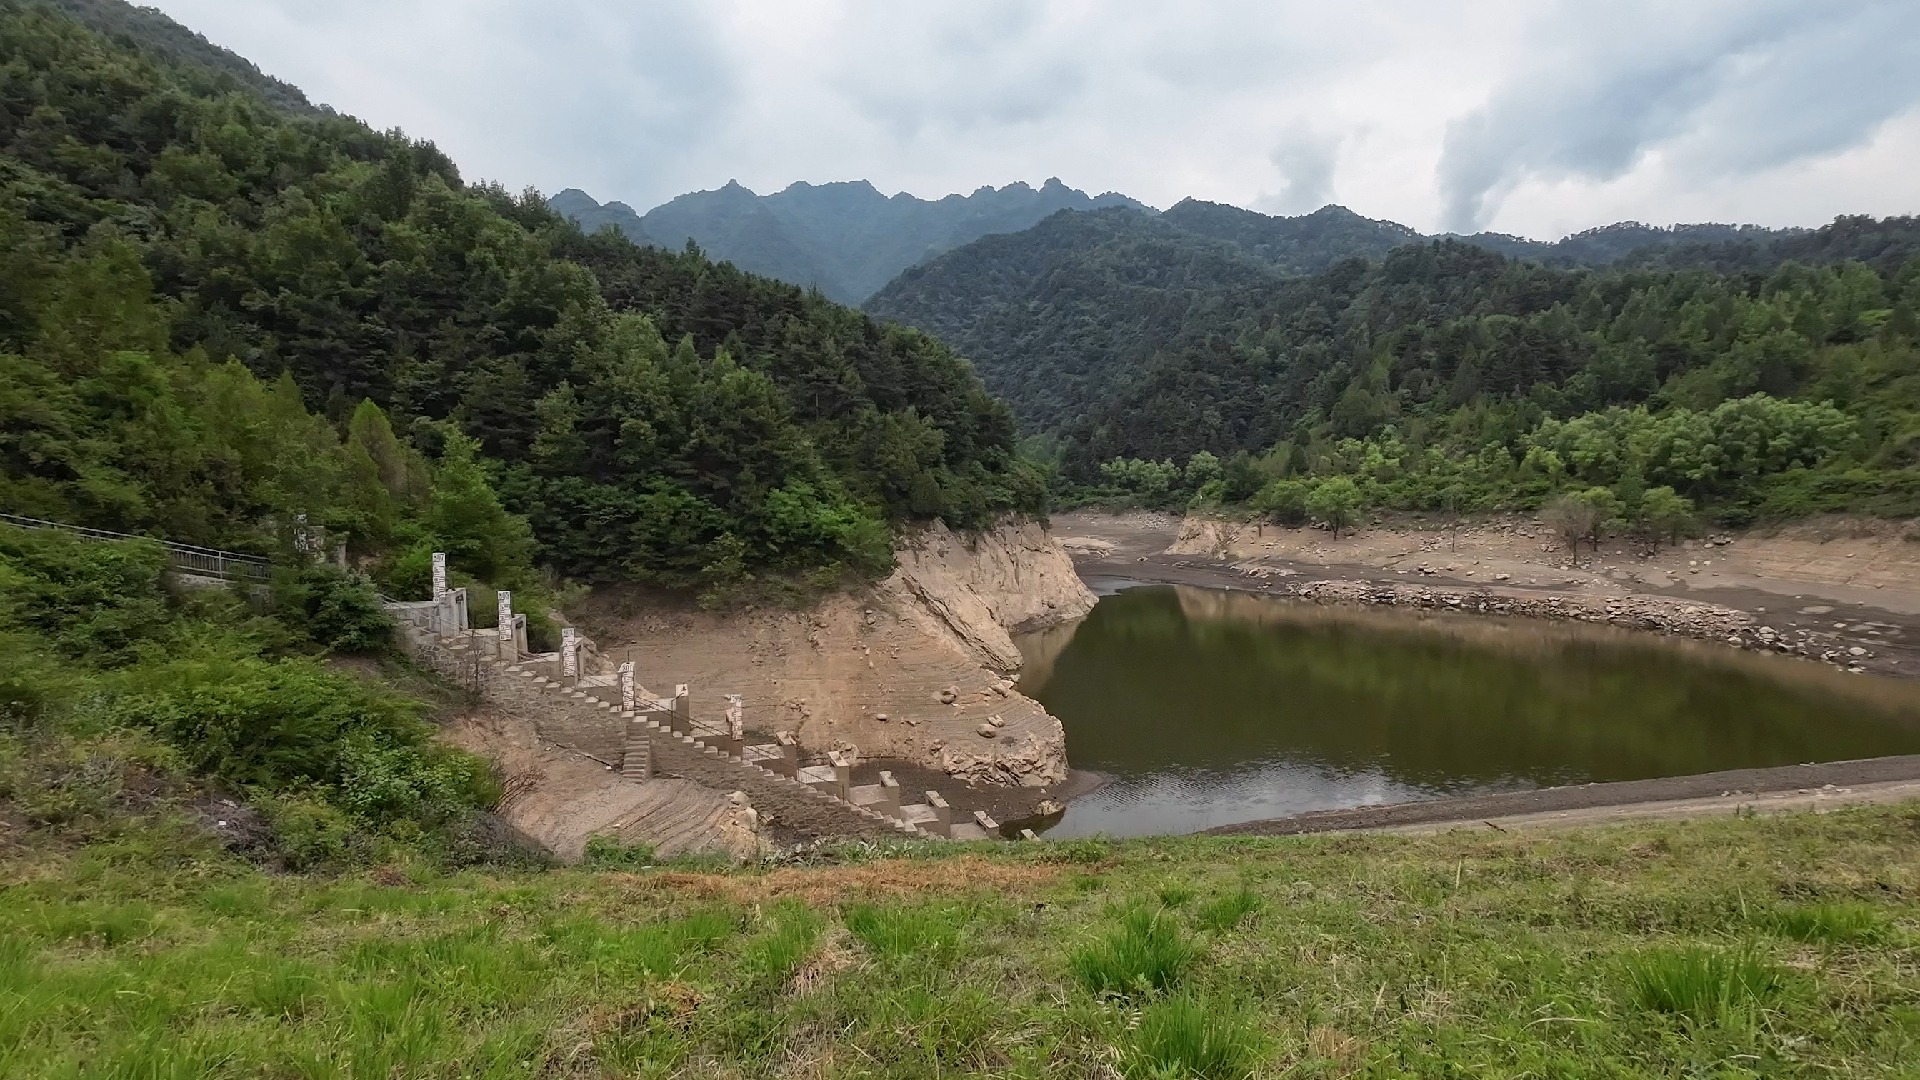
column 1204, row 707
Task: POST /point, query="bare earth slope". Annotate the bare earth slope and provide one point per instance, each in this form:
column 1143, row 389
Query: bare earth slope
column 918, row 668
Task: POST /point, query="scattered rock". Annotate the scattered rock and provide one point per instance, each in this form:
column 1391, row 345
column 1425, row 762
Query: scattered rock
column 949, row 695
column 987, row 731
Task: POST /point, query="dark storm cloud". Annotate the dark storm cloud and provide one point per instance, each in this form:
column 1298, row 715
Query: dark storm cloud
column 1742, row 87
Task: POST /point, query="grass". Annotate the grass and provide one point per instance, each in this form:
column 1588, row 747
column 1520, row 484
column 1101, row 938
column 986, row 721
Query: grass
column 1777, row 946
column 1706, row 984
column 1144, row 952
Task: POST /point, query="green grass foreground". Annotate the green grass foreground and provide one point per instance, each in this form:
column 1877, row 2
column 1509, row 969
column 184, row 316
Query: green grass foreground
column 1783, row 946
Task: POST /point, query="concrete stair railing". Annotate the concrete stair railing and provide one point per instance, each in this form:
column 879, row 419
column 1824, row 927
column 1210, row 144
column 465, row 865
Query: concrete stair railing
column 661, row 736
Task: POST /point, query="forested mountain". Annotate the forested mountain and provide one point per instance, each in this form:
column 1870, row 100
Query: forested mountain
column 150, row 30
column 845, row 239
column 591, row 216
column 1306, row 244
column 1054, row 316
column 404, row 341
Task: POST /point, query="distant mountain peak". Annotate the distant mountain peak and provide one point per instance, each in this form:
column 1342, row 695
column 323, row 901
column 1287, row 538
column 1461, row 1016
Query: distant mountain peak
column 843, row 236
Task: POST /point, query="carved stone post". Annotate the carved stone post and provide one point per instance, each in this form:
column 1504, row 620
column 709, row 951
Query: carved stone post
column 569, row 652
column 439, row 574
column 508, row 651
column 682, row 709
column 736, row 725
column 629, row 700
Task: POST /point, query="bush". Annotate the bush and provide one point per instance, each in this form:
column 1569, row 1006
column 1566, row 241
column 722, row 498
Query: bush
column 335, row 610
column 294, row 725
column 86, row 599
column 612, row 853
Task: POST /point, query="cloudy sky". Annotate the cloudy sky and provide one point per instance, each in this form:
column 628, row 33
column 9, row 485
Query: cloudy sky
column 1537, row 117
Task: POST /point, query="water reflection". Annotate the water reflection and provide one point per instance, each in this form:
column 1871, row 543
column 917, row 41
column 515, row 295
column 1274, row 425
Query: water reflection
column 1208, row 707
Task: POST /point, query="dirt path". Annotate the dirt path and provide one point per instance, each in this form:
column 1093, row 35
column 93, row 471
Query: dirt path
column 1888, row 779
column 1846, row 590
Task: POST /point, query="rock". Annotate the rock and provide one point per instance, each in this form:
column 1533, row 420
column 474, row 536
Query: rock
column 1049, row 807
column 880, row 716
column 949, row 695
column 986, row 731
column 1855, row 651
column 997, row 721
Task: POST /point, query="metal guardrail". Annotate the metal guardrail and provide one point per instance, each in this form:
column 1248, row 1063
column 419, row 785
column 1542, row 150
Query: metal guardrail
column 189, row 558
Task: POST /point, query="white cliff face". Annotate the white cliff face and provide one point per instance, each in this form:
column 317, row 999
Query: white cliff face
column 919, row 667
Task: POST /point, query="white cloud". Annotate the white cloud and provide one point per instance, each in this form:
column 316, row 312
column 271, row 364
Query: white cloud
column 1531, row 116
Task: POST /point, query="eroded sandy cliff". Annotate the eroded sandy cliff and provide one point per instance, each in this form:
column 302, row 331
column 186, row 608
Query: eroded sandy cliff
column 918, row 667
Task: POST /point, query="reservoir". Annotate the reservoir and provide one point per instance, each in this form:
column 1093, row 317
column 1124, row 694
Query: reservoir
column 1203, row 707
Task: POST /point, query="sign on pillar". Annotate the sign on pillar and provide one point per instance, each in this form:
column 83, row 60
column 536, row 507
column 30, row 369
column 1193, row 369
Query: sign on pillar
column 629, row 701
column 569, row 652
column 439, row 574
column 736, row 717
column 506, row 615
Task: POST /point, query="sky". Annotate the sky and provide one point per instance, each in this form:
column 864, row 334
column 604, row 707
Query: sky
column 1533, row 117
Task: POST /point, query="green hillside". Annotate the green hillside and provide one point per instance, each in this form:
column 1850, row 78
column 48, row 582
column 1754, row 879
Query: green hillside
column 1770, row 375
column 655, row 416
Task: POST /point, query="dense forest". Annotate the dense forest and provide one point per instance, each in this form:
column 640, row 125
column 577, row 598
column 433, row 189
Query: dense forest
column 219, row 311
column 1751, row 374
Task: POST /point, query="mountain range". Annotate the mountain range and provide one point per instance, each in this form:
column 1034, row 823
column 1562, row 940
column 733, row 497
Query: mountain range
column 845, row 239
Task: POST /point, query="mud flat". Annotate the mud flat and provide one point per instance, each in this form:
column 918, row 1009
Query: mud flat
column 1839, row 591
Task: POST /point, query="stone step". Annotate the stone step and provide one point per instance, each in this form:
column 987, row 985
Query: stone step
column 964, row 831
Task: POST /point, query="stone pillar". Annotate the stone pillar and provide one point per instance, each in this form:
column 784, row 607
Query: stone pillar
column 629, row 699
column 942, row 824
column 508, row 651
column 682, row 709
column 788, row 764
column 736, row 743
column 439, row 573
column 569, row 653
column 842, row 773
column 889, row 794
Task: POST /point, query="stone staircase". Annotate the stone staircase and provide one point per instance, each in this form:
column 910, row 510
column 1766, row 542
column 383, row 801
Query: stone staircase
column 614, row 720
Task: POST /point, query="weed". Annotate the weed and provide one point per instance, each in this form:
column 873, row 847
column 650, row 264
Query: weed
column 1145, row 953
column 611, row 853
column 771, row 959
column 1174, row 894
column 897, row 932
column 1706, row 985
column 1223, row 913
column 1838, row 924
column 1182, row 1036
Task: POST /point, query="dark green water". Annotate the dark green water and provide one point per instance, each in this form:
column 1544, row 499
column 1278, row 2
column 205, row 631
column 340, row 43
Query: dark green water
column 1206, row 708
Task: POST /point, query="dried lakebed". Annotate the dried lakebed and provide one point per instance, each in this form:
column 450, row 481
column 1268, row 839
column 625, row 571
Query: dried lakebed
column 1203, row 708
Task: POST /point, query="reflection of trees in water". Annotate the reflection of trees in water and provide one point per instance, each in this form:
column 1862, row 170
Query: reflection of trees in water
column 1159, row 678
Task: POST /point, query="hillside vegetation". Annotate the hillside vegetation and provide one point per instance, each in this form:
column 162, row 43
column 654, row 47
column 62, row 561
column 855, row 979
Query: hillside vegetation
column 1748, row 377
column 653, row 415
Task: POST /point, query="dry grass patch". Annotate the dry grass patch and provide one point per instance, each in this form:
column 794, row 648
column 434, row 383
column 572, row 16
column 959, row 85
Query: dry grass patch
column 820, row 886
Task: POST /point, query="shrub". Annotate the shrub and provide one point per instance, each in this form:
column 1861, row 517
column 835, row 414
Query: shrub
column 294, row 725
column 334, row 609
column 86, row 599
column 1706, row 985
column 1184, row 1037
column 1145, row 953
column 612, row 853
